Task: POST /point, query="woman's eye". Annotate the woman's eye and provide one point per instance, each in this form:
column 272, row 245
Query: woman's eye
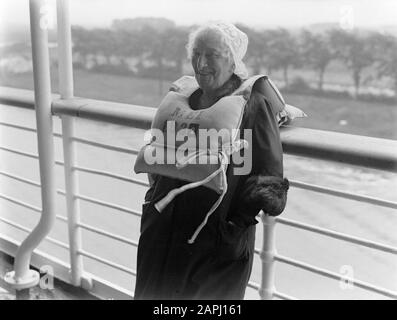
column 217, row 55
column 208, row 56
column 213, row 56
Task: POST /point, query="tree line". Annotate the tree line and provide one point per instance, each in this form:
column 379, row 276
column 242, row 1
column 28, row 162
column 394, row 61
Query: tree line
column 156, row 49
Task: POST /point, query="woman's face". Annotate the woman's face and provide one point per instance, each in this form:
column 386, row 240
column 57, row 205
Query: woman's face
column 211, row 61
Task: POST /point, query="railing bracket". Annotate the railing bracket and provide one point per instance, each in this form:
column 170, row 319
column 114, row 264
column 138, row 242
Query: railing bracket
column 30, row 279
column 87, row 283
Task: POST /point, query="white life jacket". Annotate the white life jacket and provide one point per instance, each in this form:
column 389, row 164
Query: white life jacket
column 205, row 164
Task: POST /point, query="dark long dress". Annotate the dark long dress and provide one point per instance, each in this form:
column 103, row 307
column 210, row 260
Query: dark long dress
column 218, row 264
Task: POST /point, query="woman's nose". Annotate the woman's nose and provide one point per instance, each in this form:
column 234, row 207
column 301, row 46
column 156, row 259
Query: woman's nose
column 202, row 62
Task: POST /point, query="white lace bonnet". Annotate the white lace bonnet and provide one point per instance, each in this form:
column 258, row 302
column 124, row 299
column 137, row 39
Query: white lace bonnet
column 236, row 40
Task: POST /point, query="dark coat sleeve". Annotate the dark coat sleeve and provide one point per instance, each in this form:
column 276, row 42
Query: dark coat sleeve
column 267, row 151
column 152, row 181
column 267, row 161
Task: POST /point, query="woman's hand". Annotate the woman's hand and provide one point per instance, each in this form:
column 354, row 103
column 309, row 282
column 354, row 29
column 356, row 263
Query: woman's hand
column 267, row 193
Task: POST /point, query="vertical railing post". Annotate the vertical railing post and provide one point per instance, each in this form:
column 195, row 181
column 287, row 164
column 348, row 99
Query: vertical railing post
column 22, row 277
column 65, row 61
column 72, row 203
column 65, row 73
column 267, row 257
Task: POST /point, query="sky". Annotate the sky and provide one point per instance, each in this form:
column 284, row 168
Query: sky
column 255, row 13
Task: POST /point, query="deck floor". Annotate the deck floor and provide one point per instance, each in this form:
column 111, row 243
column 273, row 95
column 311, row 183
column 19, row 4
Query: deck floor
column 61, row 291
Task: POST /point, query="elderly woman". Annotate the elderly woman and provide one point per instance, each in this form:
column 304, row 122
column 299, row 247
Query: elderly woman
column 217, row 263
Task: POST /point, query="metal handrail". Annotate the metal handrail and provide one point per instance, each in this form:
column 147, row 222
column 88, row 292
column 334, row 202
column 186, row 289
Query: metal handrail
column 83, row 169
column 336, row 276
column 21, row 153
column 329, row 274
column 18, row 178
column 21, row 203
column 283, row 296
column 276, row 294
column 111, row 175
column 24, row 128
column 29, row 206
column 63, row 219
column 106, row 146
column 253, row 285
column 338, row 235
column 107, row 234
column 15, row 126
column 80, row 140
column 344, row 194
column 107, row 262
column 89, row 199
column 27, row 154
column 109, row 205
column 49, row 239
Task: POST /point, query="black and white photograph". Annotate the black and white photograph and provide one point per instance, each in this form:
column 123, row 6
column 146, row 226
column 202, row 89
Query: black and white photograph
column 198, row 153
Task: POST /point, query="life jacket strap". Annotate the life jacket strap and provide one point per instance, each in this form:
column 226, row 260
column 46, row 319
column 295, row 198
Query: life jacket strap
column 161, row 204
column 223, row 156
column 213, row 208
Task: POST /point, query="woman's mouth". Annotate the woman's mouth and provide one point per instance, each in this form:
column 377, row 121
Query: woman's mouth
column 204, row 75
